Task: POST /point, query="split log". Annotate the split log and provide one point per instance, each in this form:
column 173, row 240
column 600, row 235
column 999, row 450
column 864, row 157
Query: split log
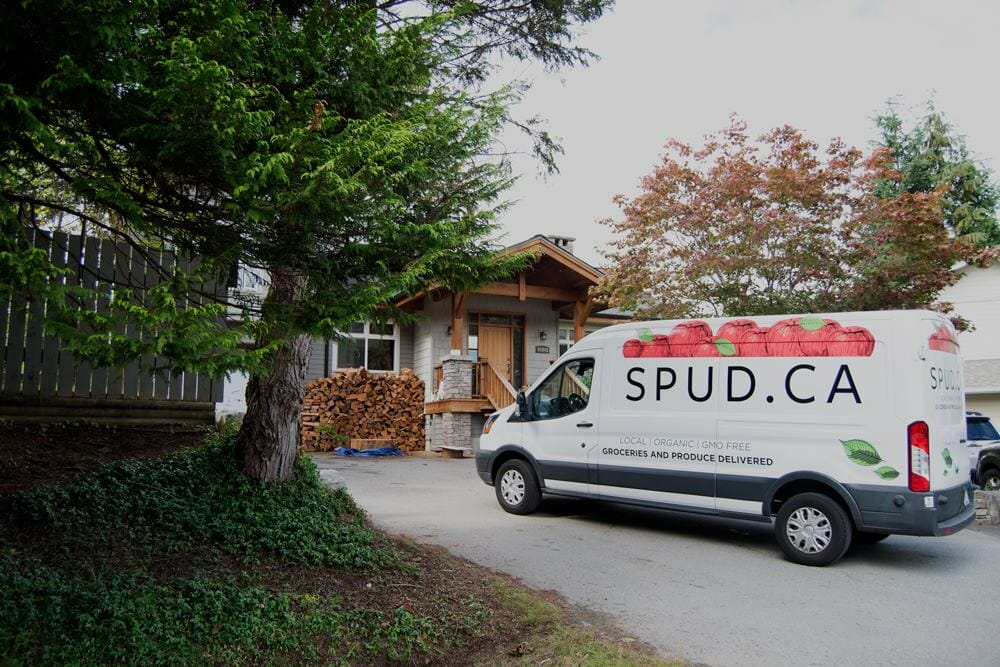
column 359, row 405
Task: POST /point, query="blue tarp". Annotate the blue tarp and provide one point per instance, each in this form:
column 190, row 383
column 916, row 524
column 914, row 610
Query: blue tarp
column 378, row 451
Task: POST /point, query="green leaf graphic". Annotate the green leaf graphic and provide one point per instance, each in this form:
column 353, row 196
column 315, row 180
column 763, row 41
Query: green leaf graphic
column 885, row 472
column 947, row 457
column 645, row 335
column 956, row 470
column 945, row 472
column 811, row 323
column 861, row 452
column 725, row 347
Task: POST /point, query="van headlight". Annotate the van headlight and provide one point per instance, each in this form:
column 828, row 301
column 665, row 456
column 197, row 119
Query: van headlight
column 489, row 423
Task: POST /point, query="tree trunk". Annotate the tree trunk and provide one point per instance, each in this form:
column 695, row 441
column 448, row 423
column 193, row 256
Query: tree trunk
column 269, row 437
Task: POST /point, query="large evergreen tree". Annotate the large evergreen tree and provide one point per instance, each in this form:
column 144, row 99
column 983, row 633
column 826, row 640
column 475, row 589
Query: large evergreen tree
column 931, row 155
column 337, row 145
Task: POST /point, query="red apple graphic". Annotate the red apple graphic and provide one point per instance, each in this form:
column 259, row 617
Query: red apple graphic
column 754, row 343
column 717, row 346
column 937, row 342
column 783, row 339
column 851, row 342
column 815, row 335
column 686, row 335
column 632, row 348
column 735, row 330
column 943, row 340
column 705, row 348
column 952, row 341
column 658, row 347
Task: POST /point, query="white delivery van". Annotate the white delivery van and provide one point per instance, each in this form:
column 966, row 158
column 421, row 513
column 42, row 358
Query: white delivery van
column 838, row 427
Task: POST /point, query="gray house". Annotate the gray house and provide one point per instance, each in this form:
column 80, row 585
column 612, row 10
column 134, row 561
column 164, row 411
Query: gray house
column 474, row 350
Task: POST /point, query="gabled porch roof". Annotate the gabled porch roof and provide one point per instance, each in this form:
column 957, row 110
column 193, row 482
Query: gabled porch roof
column 555, row 275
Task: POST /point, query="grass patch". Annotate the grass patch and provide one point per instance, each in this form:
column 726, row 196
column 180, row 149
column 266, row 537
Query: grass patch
column 552, row 638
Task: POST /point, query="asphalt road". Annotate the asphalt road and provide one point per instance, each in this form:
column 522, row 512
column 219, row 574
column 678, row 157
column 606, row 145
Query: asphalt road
column 705, row 590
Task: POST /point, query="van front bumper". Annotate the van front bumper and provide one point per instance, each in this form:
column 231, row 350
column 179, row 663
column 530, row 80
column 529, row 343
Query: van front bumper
column 483, row 461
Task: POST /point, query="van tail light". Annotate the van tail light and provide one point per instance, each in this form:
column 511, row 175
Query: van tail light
column 918, row 437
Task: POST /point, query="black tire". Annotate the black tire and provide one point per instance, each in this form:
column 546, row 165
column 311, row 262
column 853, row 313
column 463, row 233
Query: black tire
column 990, row 480
column 869, row 538
column 813, row 529
column 516, row 486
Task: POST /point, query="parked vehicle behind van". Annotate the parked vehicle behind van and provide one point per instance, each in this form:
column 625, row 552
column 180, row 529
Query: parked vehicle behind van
column 984, row 450
column 839, row 428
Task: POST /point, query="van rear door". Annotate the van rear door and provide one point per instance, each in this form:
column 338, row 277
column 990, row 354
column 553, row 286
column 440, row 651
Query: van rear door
column 944, row 407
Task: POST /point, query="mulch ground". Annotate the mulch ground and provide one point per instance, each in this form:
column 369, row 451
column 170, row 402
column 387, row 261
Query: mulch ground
column 39, row 454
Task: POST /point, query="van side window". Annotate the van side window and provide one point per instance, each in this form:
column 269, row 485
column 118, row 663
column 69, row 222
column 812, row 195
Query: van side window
column 565, row 391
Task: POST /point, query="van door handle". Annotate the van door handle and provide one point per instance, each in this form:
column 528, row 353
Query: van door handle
column 584, row 424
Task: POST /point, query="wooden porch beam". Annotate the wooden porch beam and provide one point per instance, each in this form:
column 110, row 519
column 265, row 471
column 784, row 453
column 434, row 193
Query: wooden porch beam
column 522, row 287
column 457, row 320
column 581, row 311
column 530, row 292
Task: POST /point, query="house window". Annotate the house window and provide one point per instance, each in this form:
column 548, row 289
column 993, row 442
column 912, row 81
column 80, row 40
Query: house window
column 565, row 338
column 566, row 334
column 367, row 345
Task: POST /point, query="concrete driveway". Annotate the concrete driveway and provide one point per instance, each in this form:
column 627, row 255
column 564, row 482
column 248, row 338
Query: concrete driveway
column 706, row 590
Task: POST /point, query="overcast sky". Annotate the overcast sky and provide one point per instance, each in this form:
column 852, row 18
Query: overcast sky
column 672, row 69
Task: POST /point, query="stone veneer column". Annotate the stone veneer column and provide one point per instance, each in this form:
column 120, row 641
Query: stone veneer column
column 454, row 429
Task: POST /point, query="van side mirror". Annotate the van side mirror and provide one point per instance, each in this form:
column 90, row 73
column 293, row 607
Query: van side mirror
column 522, row 406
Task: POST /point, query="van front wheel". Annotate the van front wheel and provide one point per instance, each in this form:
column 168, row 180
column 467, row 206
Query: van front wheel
column 813, row 529
column 517, row 487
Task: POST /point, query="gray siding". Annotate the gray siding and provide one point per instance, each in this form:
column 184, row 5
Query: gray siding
column 982, row 374
column 423, row 364
column 405, row 347
column 317, row 359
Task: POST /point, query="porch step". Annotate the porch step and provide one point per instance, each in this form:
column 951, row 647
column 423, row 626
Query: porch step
column 455, row 452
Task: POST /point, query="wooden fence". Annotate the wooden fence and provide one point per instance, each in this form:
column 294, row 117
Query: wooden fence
column 34, row 365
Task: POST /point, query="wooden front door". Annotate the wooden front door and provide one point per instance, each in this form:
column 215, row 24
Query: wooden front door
column 495, row 345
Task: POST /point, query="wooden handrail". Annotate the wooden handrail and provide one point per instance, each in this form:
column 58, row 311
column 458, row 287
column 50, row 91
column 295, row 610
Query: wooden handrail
column 576, row 381
column 495, row 387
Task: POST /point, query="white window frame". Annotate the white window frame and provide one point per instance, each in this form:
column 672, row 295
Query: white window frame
column 363, row 337
column 565, row 335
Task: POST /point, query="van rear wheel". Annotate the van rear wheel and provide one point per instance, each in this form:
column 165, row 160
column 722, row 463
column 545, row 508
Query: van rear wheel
column 813, row 529
column 517, row 487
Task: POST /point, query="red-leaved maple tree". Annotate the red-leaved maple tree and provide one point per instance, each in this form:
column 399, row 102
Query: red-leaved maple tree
column 775, row 225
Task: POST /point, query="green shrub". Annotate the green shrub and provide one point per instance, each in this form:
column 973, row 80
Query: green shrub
column 199, row 497
column 50, row 617
column 88, row 589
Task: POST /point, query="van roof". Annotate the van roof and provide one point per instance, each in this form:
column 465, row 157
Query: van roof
column 847, row 318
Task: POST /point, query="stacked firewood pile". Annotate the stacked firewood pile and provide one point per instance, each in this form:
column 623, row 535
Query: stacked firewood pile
column 356, row 405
